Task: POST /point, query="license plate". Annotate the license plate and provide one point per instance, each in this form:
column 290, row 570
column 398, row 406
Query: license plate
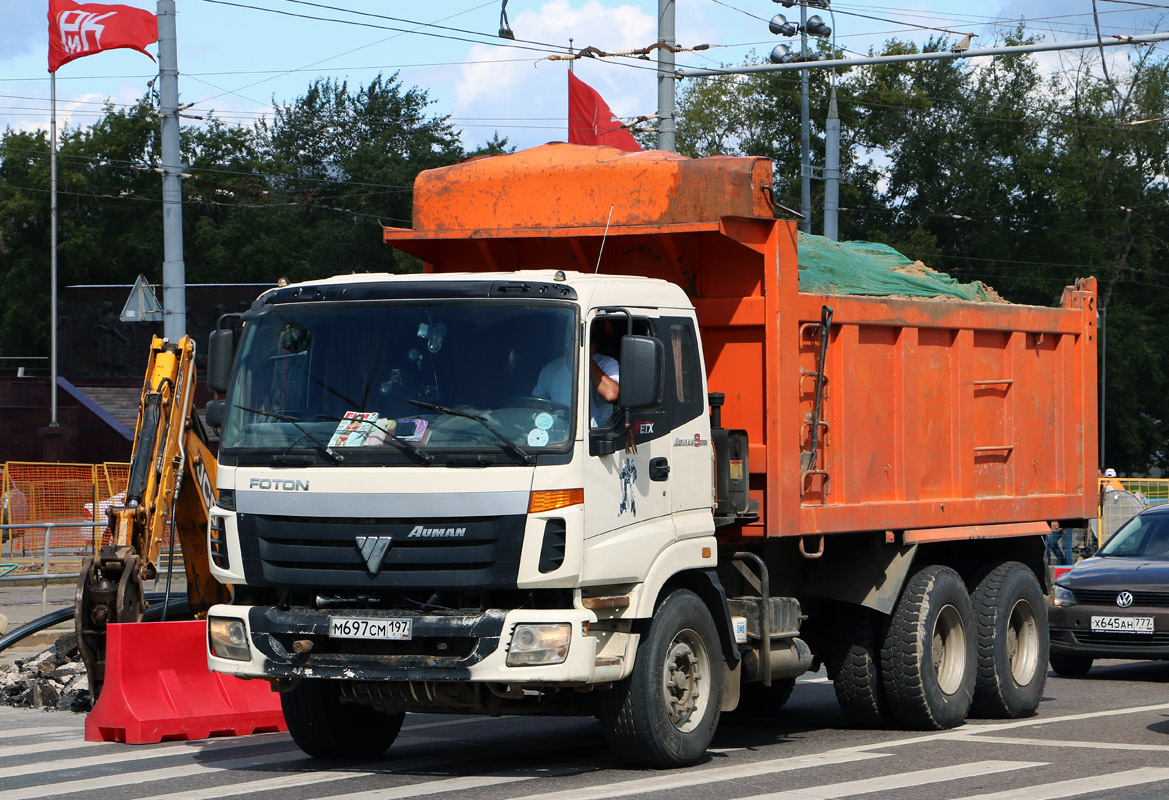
column 356, row 628
column 1122, row 624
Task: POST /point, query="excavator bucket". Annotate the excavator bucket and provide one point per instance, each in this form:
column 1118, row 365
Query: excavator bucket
column 158, row 688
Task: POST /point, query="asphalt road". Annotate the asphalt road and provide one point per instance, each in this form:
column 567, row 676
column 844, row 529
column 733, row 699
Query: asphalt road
column 1104, row 736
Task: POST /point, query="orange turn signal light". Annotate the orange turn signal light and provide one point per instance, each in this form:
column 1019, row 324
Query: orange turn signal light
column 552, row 499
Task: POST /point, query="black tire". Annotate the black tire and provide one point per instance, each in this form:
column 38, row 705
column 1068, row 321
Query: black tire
column 929, row 651
column 325, row 727
column 655, row 720
column 755, row 698
column 1013, row 639
column 1069, row 665
column 859, row 691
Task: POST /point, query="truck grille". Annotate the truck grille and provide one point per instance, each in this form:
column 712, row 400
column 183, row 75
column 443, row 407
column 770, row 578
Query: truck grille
column 462, row 553
column 1107, row 597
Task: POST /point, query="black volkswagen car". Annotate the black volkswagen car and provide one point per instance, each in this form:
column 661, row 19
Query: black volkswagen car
column 1115, row 604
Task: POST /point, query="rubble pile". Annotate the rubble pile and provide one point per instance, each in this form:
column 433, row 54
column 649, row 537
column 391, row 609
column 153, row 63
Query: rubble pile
column 54, row 679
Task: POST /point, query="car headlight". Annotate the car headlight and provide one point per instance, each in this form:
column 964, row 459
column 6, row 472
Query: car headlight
column 533, row 645
column 229, row 639
column 1064, row 597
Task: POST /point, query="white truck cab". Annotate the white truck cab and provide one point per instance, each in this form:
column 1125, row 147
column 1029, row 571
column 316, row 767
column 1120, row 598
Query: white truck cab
column 424, row 503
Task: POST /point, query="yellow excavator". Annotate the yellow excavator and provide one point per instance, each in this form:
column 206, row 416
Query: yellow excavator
column 170, row 492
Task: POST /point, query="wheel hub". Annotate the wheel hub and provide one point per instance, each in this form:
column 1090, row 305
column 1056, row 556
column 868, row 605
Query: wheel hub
column 949, row 649
column 684, row 670
column 1022, row 642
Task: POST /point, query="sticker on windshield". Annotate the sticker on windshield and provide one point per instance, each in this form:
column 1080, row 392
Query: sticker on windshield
column 353, row 429
column 537, row 437
column 544, row 421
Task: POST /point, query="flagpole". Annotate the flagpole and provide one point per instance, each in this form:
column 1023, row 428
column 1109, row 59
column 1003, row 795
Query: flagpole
column 53, row 251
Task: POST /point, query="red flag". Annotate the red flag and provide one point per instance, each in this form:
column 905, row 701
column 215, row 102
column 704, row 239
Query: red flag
column 77, row 30
column 591, row 122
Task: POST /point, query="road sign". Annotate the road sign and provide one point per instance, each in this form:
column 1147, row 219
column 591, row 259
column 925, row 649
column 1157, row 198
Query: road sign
column 142, row 305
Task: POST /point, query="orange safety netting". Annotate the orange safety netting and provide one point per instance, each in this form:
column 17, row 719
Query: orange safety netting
column 73, row 497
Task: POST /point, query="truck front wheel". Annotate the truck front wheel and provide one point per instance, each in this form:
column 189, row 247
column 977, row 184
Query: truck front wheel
column 1012, row 642
column 928, row 654
column 665, row 713
column 324, row 726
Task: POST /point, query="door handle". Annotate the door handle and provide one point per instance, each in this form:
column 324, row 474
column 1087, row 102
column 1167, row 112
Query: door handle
column 659, row 469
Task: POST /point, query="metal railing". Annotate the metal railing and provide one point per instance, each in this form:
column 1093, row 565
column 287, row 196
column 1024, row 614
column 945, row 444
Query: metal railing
column 167, row 565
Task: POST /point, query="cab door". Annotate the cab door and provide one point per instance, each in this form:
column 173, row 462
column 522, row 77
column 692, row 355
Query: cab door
column 629, row 491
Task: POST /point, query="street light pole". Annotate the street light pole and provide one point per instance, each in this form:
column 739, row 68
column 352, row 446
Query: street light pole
column 666, row 78
column 805, row 132
column 831, row 169
column 174, row 278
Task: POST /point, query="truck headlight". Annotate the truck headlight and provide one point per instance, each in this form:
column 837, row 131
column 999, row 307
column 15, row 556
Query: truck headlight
column 533, row 645
column 1064, row 597
column 229, row 639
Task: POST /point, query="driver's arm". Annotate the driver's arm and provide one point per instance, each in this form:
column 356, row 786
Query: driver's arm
column 606, row 383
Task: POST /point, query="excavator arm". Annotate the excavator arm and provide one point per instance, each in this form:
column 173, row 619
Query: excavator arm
column 169, row 496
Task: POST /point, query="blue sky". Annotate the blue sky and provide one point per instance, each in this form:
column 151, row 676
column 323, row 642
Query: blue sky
column 235, row 57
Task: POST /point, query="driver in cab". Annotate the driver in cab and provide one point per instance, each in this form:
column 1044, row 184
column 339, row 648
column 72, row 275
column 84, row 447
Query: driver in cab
column 555, row 382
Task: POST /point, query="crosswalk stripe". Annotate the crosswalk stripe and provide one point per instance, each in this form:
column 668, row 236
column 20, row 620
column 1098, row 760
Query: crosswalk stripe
column 57, row 745
column 1079, row 786
column 100, row 782
column 901, row 780
column 680, row 779
column 1156, row 748
column 235, row 789
column 32, row 731
column 310, row 778
column 119, row 755
column 461, row 784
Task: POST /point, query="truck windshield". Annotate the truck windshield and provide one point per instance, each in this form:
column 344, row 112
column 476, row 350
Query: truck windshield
column 364, row 377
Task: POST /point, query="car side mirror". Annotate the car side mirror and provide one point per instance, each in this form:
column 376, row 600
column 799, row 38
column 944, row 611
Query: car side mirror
column 642, row 373
column 220, row 353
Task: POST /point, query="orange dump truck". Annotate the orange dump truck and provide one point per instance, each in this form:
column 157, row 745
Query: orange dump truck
column 630, row 450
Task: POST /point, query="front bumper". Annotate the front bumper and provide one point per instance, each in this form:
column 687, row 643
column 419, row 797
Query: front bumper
column 444, row 647
column 1071, row 633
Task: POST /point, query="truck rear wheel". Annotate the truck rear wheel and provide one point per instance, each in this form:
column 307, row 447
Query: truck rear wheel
column 928, row 653
column 665, row 713
column 1012, row 643
column 858, row 682
column 324, row 726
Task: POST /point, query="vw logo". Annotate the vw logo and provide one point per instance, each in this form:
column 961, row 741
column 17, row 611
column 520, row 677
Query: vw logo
column 1124, row 599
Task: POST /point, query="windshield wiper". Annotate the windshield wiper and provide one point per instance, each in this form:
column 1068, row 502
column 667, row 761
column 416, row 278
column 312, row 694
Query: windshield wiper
column 521, row 455
column 409, row 447
column 333, row 456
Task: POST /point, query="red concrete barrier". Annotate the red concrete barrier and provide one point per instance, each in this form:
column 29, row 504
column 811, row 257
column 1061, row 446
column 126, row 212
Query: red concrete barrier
column 158, row 688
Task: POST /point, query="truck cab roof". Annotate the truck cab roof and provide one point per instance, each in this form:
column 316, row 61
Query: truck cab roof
column 589, row 289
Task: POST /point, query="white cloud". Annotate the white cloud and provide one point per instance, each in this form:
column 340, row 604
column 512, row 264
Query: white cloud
column 508, row 94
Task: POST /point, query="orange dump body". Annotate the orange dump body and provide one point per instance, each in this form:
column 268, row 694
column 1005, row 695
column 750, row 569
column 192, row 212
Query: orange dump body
column 940, row 419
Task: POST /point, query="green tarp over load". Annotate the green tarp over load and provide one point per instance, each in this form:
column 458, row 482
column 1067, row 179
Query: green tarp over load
column 868, row 268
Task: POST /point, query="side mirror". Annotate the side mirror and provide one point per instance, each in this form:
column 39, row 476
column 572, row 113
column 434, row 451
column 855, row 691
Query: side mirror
column 642, row 373
column 220, row 352
column 215, row 412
